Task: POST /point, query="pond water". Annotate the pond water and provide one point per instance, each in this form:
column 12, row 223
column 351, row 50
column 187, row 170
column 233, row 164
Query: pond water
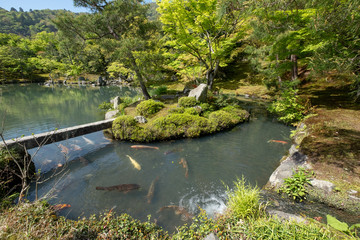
column 90, row 161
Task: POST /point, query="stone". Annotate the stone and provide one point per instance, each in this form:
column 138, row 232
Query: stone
column 200, row 93
column 81, row 79
column 211, row 236
column 140, row 119
column 111, row 114
column 323, row 185
column 287, row 216
column 116, row 101
column 100, row 82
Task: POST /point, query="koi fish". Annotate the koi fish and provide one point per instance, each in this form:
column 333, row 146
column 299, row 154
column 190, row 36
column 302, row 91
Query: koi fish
column 76, row 147
column 83, row 160
column 88, row 141
column 150, row 194
column 121, row 188
column 318, row 218
column 178, row 211
column 277, row 141
column 173, row 150
column 59, row 207
column 64, row 149
column 185, row 165
column 144, row 147
column 134, row 163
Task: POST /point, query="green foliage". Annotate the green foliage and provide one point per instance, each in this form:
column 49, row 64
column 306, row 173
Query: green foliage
column 295, row 186
column 201, row 226
column 161, row 90
column 288, row 107
column 149, row 107
column 187, row 102
column 192, row 111
column 274, row 228
column 105, row 106
column 342, row 226
column 244, row 200
column 224, row 100
column 182, row 125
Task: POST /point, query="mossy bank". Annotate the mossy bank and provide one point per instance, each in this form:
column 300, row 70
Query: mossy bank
column 188, row 118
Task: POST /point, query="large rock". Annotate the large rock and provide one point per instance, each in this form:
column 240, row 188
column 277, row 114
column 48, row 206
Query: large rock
column 287, row 167
column 111, row 114
column 211, row 236
column 322, row 184
column 200, row 93
column 287, row 216
column 116, row 101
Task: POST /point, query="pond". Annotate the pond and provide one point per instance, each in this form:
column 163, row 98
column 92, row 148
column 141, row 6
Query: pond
column 92, row 161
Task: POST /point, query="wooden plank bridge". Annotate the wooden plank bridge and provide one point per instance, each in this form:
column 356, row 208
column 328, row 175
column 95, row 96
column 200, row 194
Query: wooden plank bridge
column 41, row 139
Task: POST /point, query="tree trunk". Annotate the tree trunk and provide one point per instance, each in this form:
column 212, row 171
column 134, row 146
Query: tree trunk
column 294, row 72
column 139, row 76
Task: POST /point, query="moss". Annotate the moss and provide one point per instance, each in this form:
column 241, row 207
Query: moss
column 192, row 111
column 149, row 107
column 187, row 102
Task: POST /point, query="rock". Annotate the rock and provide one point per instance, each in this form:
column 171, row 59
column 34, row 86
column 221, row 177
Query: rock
column 323, row 185
column 140, row 119
column 100, row 82
column 81, row 79
column 287, row 216
column 111, row 114
column 352, row 192
column 211, row 236
column 186, row 90
column 200, row 93
column 116, row 101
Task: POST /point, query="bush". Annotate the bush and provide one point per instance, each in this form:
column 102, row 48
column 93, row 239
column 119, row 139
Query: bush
column 124, row 127
column 177, row 110
column 187, row 102
column 288, row 107
column 159, row 90
column 105, row 106
column 192, row 111
column 149, row 107
column 294, row 186
column 244, row 201
column 182, row 125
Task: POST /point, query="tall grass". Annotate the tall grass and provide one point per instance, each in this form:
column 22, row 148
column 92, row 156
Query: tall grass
column 244, row 201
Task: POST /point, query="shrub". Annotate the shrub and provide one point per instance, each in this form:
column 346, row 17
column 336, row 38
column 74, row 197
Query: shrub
column 191, row 111
column 105, row 106
column 124, row 127
column 177, row 110
column 187, row 102
column 149, row 107
column 221, row 120
column 182, row 125
column 159, row 90
column 237, row 112
column 244, row 201
column 294, row 186
column 288, row 107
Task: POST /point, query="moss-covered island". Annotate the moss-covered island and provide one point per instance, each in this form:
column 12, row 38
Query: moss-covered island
column 187, row 118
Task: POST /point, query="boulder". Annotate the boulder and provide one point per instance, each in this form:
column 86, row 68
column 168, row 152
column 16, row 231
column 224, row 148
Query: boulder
column 140, row 119
column 100, row 82
column 287, row 216
column 200, row 93
column 116, row 101
column 323, row 185
column 111, row 114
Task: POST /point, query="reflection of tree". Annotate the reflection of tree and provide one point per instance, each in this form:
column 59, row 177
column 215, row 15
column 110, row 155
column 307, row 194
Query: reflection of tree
column 62, row 105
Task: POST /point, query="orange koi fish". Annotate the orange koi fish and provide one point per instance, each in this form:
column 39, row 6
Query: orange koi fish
column 144, row 147
column 59, row 207
column 278, row 141
column 64, row 149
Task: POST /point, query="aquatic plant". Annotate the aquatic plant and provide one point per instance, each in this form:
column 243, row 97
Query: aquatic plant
column 187, row 102
column 149, row 107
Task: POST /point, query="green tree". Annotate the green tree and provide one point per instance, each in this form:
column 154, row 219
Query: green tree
column 206, row 29
column 118, row 24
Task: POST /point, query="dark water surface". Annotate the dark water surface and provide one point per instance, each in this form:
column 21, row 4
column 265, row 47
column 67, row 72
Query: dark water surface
column 91, row 160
